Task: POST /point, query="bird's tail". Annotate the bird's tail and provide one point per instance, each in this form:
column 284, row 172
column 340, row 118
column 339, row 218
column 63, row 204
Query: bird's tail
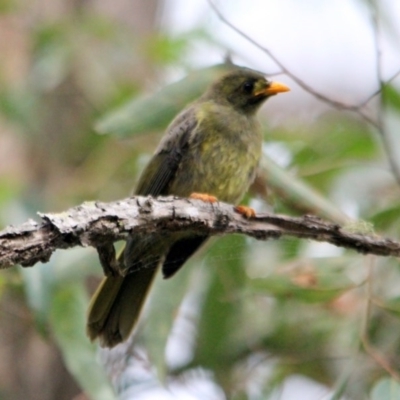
column 116, row 305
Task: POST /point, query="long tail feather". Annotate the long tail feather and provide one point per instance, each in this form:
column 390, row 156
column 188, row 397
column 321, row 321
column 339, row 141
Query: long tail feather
column 116, row 305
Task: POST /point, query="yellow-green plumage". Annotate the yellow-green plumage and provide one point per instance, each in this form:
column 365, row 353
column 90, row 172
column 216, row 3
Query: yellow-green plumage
column 223, row 157
column 212, row 147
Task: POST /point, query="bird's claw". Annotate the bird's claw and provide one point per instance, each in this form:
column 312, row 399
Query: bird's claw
column 208, row 198
column 247, row 212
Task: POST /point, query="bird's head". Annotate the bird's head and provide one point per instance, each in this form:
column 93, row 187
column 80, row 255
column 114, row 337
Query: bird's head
column 244, row 89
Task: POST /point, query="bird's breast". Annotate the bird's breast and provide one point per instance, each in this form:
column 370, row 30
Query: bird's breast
column 222, row 158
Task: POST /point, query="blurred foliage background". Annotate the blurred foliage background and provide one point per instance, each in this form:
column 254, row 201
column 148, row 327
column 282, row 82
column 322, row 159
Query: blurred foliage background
column 86, row 90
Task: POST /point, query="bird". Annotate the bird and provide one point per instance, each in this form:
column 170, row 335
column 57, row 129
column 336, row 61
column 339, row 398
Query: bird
column 210, row 151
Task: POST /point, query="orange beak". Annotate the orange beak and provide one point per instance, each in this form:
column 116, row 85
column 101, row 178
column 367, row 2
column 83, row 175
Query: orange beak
column 273, row 88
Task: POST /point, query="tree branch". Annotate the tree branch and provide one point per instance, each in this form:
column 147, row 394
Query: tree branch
column 100, row 224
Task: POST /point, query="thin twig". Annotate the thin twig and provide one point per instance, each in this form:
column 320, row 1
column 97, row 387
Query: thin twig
column 380, row 125
column 337, row 104
column 368, row 347
column 379, row 90
column 356, row 108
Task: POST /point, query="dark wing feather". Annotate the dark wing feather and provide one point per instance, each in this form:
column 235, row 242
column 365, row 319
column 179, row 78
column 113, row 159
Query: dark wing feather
column 179, row 253
column 159, row 173
column 155, row 180
column 162, row 170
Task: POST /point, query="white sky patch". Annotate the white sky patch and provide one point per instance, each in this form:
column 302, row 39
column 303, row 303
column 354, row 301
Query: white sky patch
column 301, row 388
column 278, row 152
column 330, row 45
column 322, row 250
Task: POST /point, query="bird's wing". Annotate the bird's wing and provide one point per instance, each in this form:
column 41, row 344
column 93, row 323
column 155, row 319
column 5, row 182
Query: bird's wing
column 160, row 171
column 155, row 180
column 179, row 252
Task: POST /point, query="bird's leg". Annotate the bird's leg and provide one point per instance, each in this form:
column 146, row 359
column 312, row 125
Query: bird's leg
column 108, row 260
column 208, row 198
column 247, row 212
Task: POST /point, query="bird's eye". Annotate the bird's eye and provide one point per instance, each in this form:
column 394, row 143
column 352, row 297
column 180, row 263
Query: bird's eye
column 248, row 87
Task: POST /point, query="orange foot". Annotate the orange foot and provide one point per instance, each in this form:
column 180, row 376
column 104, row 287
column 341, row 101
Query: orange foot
column 208, row 198
column 247, row 212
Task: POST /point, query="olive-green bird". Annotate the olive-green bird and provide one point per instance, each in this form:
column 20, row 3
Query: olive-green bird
column 210, row 150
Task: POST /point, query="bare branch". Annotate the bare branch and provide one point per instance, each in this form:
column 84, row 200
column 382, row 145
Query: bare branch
column 379, row 90
column 284, row 70
column 356, row 108
column 380, row 124
column 98, row 224
column 369, row 348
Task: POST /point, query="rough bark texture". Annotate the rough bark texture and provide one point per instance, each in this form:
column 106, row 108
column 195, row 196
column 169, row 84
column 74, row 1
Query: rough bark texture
column 99, row 224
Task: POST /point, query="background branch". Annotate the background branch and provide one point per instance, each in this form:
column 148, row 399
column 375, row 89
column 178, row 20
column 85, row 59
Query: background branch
column 380, row 123
column 284, row 70
column 355, row 108
column 97, row 224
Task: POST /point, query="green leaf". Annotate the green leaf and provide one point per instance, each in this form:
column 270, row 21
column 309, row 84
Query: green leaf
column 154, row 112
column 67, row 319
column 386, row 389
column 52, row 51
column 8, row 6
column 387, row 217
column 391, row 95
column 340, row 388
column 9, row 189
column 164, row 49
column 392, row 306
column 19, row 106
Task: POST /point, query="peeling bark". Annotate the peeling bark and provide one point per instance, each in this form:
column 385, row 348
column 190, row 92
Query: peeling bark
column 100, row 224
